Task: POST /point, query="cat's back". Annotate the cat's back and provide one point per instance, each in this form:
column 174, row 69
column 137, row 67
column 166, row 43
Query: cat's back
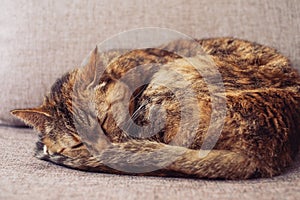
column 263, row 100
column 261, row 91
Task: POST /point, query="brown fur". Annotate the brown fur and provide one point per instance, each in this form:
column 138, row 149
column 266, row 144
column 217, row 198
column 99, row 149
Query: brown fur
column 79, row 126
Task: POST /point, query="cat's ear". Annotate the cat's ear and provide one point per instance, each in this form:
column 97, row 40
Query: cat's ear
column 89, row 74
column 35, row 117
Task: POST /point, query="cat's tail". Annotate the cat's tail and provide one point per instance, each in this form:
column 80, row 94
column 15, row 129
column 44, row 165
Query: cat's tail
column 141, row 157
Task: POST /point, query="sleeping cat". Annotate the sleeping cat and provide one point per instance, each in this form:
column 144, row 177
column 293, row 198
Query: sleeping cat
column 149, row 112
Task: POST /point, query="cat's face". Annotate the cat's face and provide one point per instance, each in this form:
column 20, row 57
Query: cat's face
column 57, row 134
column 54, row 119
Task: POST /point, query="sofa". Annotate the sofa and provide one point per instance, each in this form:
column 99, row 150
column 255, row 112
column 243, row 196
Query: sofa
column 41, row 40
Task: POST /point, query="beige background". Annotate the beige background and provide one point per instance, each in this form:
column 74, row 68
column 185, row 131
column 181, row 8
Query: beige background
column 40, row 40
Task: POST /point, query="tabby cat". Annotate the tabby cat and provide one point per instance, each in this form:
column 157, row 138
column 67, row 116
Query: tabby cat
column 155, row 120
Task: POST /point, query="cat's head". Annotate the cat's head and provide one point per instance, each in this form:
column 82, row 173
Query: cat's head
column 54, row 119
column 54, row 122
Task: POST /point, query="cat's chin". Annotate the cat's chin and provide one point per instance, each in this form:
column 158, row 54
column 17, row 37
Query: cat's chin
column 41, row 152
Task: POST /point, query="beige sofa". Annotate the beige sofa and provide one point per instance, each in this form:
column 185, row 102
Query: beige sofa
column 40, row 40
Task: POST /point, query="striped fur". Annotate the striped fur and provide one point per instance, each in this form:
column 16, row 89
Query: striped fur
column 260, row 135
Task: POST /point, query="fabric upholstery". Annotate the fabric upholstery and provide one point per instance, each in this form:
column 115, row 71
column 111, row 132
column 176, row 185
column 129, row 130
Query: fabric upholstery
column 41, row 40
column 24, row 177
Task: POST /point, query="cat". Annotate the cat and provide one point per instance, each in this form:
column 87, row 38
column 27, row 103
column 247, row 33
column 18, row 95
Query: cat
column 82, row 123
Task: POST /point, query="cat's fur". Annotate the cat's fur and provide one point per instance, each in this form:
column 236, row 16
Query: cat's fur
column 261, row 131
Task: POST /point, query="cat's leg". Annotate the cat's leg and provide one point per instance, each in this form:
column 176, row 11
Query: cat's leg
column 221, row 164
column 158, row 159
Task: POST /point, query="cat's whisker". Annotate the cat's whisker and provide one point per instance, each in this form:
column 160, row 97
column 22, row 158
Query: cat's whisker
column 134, row 116
column 140, row 92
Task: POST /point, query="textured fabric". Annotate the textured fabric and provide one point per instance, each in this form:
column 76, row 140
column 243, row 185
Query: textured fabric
column 40, row 40
column 24, row 177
